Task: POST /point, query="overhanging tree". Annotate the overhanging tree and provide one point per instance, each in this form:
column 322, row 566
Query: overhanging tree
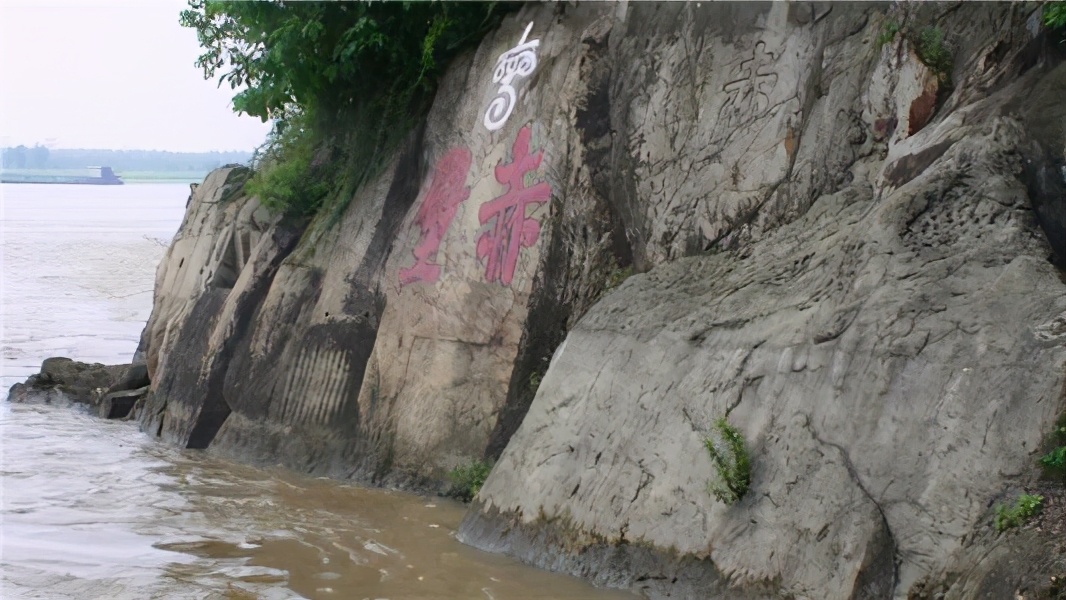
column 315, row 68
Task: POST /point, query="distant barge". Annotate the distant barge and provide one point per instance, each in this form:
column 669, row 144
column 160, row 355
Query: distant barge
column 106, row 177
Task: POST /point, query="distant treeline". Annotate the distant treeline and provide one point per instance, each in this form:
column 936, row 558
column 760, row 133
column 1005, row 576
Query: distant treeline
column 39, row 157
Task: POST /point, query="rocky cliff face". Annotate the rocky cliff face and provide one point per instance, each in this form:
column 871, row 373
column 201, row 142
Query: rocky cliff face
column 848, row 254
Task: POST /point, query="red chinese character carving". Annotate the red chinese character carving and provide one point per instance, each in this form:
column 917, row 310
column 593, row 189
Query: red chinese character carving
column 512, row 228
column 446, row 192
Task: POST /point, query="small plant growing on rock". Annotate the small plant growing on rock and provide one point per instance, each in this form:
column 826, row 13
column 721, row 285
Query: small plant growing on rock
column 888, row 32
column 1055, row 460
column 933, row 52
column 617, row 275
column 534, row 382
column 468, row 479
column 1023, row 509
column 731, row 460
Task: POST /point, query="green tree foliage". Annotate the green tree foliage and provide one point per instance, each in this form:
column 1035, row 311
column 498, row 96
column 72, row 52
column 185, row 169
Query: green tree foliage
column 284, row 185
column 1055, row 15
column 318, row 68
column 292, row 56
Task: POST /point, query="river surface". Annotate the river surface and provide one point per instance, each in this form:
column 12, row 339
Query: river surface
column 95, row 509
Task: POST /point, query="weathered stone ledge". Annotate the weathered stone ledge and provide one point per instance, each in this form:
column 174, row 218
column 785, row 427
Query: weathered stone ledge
column 113, row 391
column 619, row 563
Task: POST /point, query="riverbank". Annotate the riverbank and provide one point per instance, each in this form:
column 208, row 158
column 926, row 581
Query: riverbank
column 94, row 508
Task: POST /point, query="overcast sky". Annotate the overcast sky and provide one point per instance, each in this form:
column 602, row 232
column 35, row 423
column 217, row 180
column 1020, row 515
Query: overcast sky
column 111, row 74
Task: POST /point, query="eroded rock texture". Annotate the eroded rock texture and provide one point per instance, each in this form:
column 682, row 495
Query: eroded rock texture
column 841, row 251
column 885, row 300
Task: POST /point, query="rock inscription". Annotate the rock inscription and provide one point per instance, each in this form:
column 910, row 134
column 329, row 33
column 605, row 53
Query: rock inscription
column 510, row 227
column 752, row 80
column 447, row 190
column 519, row 61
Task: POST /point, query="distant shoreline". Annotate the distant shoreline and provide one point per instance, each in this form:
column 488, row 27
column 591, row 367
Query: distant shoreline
column 127, row 176
column 132, row 166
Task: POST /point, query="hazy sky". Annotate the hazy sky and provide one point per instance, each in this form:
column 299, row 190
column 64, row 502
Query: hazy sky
column 111, row 74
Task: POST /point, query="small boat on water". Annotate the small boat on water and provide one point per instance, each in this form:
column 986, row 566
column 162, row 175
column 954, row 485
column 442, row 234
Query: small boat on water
column 106, row 177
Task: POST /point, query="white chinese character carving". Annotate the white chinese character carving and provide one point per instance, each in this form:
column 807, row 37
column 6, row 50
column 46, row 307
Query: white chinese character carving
column 516, row 62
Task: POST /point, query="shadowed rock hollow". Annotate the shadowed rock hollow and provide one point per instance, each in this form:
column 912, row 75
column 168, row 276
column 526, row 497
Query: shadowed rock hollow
column 848, row 254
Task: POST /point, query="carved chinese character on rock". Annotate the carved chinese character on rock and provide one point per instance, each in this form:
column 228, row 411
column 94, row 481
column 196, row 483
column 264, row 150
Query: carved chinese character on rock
column 510, row 226
column 748, row 92
column 447, row 190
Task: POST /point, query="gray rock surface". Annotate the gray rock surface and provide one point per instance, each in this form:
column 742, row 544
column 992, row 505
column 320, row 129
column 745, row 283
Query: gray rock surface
column 869, row 367
column 329, row 351
column 840, row 250
column 893, row 356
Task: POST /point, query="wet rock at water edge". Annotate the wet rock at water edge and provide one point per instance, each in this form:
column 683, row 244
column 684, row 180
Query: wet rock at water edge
column 66, row 381
column 119, row 405
column 135, row 376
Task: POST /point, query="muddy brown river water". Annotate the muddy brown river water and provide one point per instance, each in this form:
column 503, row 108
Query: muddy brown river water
column 95, row 509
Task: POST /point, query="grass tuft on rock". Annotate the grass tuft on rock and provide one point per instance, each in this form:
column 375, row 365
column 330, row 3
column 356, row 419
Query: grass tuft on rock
column 1016, row 515
column 888, row 32
column 1054, row 462
column 934, row 53
column 468, row 479
column 731, row 461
